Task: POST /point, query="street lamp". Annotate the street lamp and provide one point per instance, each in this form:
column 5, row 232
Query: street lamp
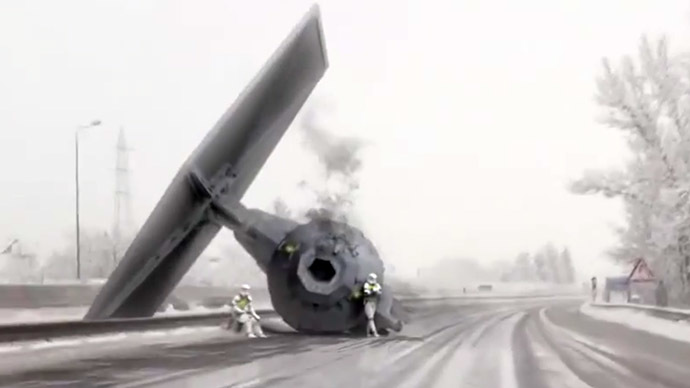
column 93, row 123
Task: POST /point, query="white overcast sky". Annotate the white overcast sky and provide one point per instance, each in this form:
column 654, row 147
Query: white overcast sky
column 477, row 112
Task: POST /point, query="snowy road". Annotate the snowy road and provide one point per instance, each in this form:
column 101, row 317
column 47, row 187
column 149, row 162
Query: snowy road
column 529, row 344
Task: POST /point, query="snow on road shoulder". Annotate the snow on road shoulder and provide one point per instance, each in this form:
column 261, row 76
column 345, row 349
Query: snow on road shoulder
column 643, row 307
column 199, row 309
column 45, row 314
column 503, row 290
column 33, row 355
column 639, row 320
column 60, row 314
column 136, row 338
column 583, row 345
column 172, row 334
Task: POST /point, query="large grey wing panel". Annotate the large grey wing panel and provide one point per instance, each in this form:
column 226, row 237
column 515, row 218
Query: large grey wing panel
column 215, row 176
column 254, row 125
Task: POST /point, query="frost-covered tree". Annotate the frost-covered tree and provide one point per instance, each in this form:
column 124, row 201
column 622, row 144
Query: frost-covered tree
column 648, row 101
column 541, row 267
column 568, row 271
column 545, row 265
column 523, row 268
column 98, row 257
column 552, row 258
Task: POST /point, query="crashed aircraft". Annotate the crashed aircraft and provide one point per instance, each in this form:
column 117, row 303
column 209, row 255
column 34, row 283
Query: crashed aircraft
column 312, row 269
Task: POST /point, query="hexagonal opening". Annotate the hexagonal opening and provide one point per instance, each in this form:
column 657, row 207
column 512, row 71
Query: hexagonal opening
column 322, row 270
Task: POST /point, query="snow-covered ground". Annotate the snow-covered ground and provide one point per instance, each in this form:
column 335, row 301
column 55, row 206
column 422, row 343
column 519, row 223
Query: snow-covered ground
column 53, row 282
column 640, row 320
column 105, row 338
column 46, row 314
column 260, row 304
column 642, row 307
column 123, row 339
column 57, row 314
column 507, row 289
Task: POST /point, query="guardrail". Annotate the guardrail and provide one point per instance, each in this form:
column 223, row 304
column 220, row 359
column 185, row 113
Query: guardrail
column 62, row 329
column 668, row 313
column 26, row 296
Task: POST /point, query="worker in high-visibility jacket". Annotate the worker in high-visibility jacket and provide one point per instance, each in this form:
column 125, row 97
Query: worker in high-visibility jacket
column 371, row 290
column 243, row 313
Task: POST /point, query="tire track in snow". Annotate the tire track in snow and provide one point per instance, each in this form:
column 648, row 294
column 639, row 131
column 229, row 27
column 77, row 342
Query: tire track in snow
column 476, row 355
column 542, row 366
column 595, row 364
column 368, row 357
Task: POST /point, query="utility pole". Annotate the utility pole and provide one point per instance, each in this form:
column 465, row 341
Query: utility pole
column 93, row 123
column 76, row 189
column 122, row 224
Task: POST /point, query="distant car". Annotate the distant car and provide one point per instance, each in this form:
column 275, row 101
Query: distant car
column 485, row 287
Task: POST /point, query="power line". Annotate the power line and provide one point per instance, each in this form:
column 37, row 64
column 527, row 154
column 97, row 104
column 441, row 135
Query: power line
column 123, row 223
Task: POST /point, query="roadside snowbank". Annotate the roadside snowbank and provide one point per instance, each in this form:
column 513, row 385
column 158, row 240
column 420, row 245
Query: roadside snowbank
column 59, row 314
column 507, row 290
column 645, row 307
column 639, row 320
column 45, row 314
column 55, row 282
column 134, row 338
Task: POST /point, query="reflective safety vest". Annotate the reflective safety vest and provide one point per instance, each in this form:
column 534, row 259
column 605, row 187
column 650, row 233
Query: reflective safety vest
column 368, row 290
column 371, row 289
column 241, row 301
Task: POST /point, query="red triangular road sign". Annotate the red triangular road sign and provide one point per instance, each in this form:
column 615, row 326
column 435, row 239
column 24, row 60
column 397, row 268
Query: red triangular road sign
column 641, row 272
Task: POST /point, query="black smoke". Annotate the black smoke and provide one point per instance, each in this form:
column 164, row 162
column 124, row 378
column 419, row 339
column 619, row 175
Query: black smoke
column 339, row 160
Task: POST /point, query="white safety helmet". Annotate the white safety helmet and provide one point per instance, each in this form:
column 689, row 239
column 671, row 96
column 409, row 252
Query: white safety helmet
column 245, row 287
column 371, row 277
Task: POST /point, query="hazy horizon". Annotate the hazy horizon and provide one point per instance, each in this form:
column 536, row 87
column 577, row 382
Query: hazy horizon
column 475, row 115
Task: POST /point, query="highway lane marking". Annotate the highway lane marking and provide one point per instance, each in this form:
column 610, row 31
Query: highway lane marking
column 56, row 343
column 550, row 361
column 475, row 333
column 508, row 375
column 495, row 321
column 247, row 384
